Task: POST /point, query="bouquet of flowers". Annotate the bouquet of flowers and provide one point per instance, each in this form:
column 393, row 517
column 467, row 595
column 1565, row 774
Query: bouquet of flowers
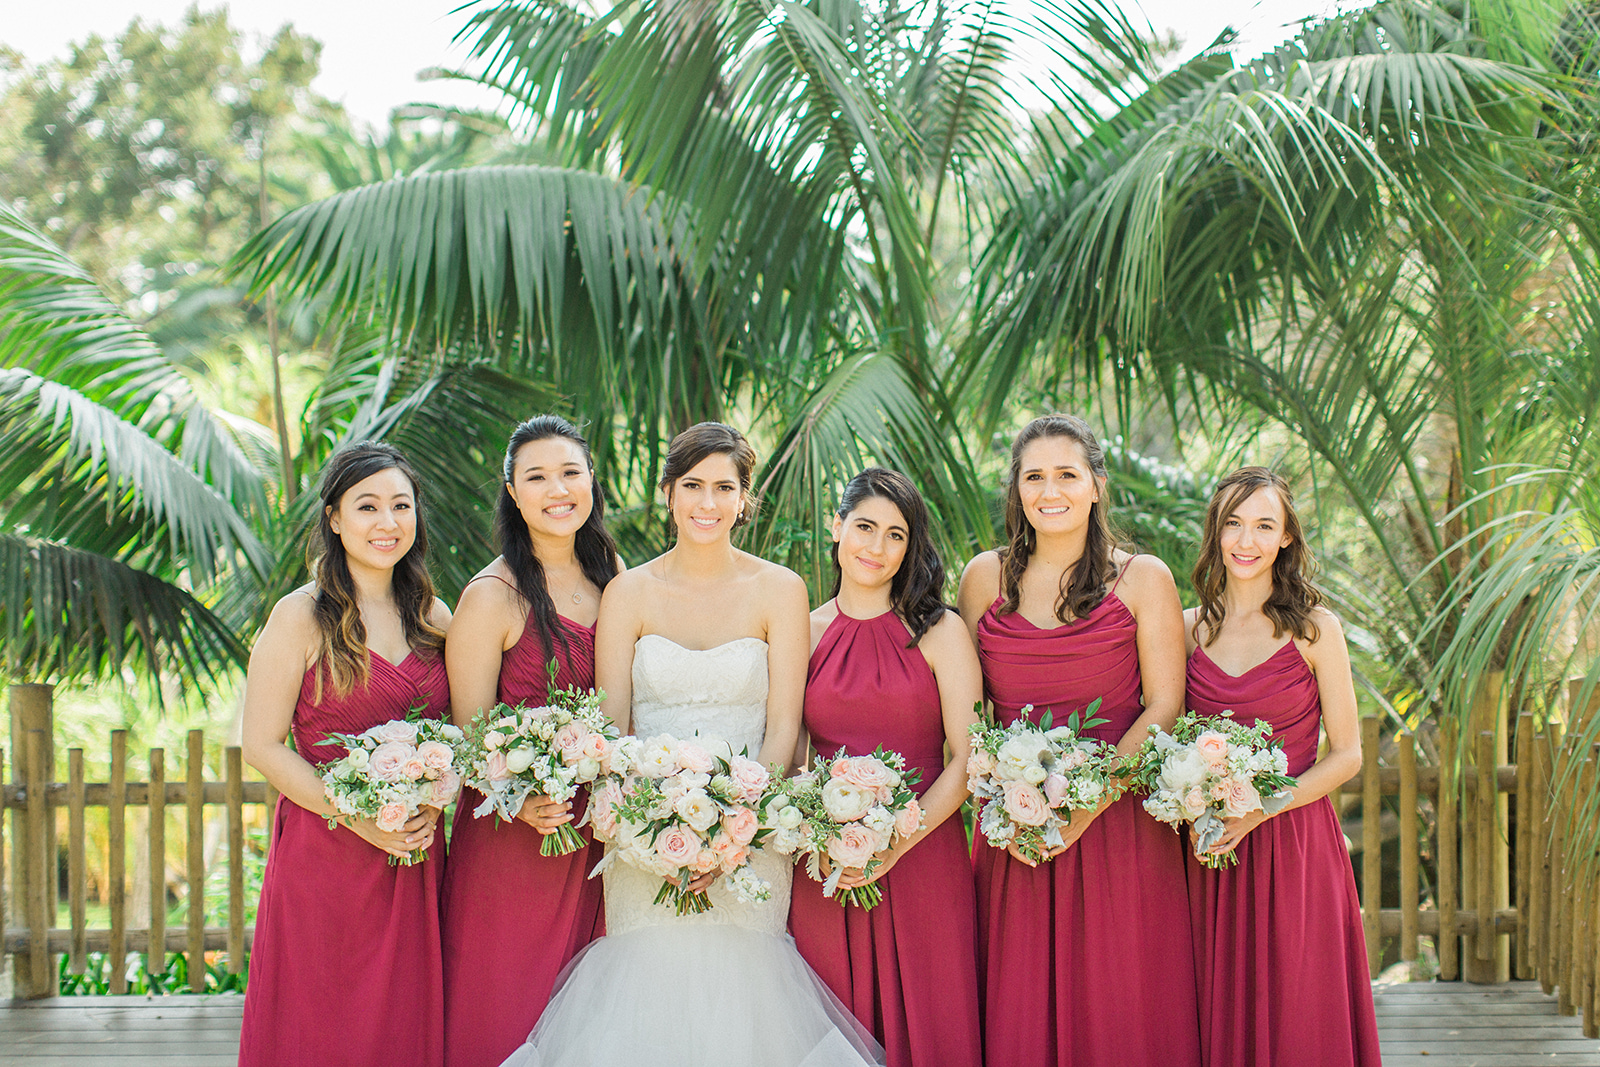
column 1029, row 777
column 391, row 771
column 515, row 752
column 849, row 808
column 1209, row 768
column 680, row 809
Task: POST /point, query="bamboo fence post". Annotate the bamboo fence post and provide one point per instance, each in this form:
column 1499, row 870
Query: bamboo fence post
column 155, row 956
column 1583, row 927
column 1539, row 862
column 77, row 873
column 1563, row 885
column 38, row 887
column 1449, row 855
column 235, row 764
column 1522, row 960
column 1485, row 829
column 1371, row 844
column 116, row 866
column 1409, row 852
column 194, row 856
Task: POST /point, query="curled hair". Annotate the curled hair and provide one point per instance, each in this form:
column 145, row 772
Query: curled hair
column 915, row 592
column 710, row 439
column 343, row 657
column 594, row 547
column 1084, row 584
column 1293, row 597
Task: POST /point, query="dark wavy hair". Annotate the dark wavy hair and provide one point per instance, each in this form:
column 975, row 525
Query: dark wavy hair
column 1294, row 597
column 594, row 546
column 916, row 590
column 344, row 658
column 1084, row 585
column 709, row 439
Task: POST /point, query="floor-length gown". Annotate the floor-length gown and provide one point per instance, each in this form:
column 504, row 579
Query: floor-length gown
column 1280, row 956
column 1087, row 959
column 345, row 965
column 512, row 919
column 722, row 987
column 908, row 967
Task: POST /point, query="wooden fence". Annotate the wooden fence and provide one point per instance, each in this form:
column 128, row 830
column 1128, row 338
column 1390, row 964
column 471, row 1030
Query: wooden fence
column 1498, row 880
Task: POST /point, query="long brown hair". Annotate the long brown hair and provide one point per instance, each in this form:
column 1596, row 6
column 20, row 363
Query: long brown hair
column 915, row 591
column 1084, row 584
column 710, row 439
column 343, row 656
column 1293, row 597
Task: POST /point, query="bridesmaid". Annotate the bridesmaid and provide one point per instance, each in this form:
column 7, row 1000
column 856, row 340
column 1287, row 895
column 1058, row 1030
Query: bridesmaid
column 1085, row 958
column 513, row 918
column 1279, row 936
column 345, row 966
column 892, row 666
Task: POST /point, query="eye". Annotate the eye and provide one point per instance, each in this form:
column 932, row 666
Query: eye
column 1034, row 477
column 897, row 535
column 365, row 507
column 403, row 505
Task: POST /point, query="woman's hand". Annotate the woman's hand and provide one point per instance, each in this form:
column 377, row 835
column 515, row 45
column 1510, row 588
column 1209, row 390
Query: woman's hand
column 855, row 877
column 1234, row 831
column 416, row 834
column 545, row 815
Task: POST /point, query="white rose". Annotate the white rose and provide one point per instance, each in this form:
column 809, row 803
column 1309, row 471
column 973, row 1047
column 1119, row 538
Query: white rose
column 697, row 809
column 587, row 769
column 494, row 739
column 879, row 821
column 506, row 722
column 659, row 758
column 519, row 760
column 451, row 732
column 1089, row 791
column 1020, row 752
column 845, row 802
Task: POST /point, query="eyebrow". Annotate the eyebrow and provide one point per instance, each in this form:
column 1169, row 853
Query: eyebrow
column 376, row 496
column 1057, row 467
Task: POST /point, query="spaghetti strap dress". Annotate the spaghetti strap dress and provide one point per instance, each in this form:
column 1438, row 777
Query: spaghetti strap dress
column 1280, row 956
column 1086, row 959
column 513, row 918
column 908, row 967
column 345, row 964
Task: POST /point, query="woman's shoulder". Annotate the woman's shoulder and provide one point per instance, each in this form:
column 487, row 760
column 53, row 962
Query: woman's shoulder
column 292, row 626
column 981, row 576
column 771, row 576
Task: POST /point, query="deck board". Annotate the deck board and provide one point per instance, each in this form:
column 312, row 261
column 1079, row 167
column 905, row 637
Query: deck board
column 1420, row 1025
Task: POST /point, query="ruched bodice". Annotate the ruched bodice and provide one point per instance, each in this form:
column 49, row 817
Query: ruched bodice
column 1281, row 689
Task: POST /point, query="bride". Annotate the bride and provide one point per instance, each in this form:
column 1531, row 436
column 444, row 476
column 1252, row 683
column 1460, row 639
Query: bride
column 702, row 639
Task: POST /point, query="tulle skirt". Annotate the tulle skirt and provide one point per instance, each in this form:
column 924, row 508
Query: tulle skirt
column 690, row 995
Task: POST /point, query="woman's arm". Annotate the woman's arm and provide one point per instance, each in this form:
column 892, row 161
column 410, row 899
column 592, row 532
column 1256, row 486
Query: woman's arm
column 1330, row 662
column 788, row 622
column 616, row 632
column 473, row 649
column 1151, row 597
column 948, row 650
column 278, row 664
column 980, row 585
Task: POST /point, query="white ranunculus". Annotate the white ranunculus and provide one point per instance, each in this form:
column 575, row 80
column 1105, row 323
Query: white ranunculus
column 587, row 769
column 358, row 758
column 790, row 817
column 519, row 760
column 1033, row 774
column 697, row 809
column 845, row 802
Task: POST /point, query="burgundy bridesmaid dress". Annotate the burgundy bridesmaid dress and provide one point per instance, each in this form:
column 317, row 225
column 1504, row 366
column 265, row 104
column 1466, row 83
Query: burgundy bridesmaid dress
column 1279, row 953
column 1087, row 959
column 345, row 964
column 513, row 918
column 908, row 967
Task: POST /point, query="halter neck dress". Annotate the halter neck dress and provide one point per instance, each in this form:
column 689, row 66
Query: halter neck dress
column 1085, row 959
column 513, row 918
column 345, row 964
column 908, row 967
column 1280, row 957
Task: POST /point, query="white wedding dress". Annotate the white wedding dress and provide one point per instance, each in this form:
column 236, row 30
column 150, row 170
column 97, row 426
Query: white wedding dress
column 725, row 986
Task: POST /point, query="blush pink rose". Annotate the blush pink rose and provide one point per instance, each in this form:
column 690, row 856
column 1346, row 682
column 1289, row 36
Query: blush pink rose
column 1194, row 800
column 495, row 764
column 1025, row 804
column 741, row 825
column 909, row 820
column 749, row 778
column 853, row 846
column 569, row 742
column 678, row 846
column 404, row 733
column 1213, row 748
column 729, row 853
column 603, row 809
column 1242, row 798
column 443, row 789
column 980, row 763
column 596, row 747
column 867, row 772
column 705, row 861
column 392, row 817
column 1055, row 790
column 389, row 759
column 691, row 757
column 435, row 754
column 413, row 769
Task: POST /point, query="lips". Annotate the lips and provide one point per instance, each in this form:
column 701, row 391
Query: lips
column 704, row 523
column 870, row 564
column 1054, row 511
column 384, row 544
column 560, row 510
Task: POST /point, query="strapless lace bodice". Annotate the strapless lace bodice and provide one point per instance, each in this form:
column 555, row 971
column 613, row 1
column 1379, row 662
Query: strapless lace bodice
column 713, row 692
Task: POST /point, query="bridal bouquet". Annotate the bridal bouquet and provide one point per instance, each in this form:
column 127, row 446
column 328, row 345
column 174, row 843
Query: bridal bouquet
column 1028, row 777
column 680, row 809
column 513, row 753
column 391, row 771
column 1208, row 769
column 849, row 808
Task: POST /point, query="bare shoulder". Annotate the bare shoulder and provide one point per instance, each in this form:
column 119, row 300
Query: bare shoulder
column 292, row 627
column 631, row 581
column 439, row 614
column 981, row 575
column 1143, row 570
column 774, row 578
column 946, row 637
column 491, row 595
column 1330, row 631
column 821, row 619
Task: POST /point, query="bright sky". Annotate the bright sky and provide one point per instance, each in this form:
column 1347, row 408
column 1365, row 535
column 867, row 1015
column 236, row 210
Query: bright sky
column 372, row 52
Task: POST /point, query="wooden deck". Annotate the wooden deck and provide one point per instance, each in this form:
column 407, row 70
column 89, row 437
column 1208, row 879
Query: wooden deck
column 1421, row 1025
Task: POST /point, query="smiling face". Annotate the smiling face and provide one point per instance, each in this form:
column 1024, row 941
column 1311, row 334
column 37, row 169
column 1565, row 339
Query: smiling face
column 705, row 502
column 1056, row 485
column 376, row 520
column 872, row 541
column 552, row 486
column 1253, row 534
